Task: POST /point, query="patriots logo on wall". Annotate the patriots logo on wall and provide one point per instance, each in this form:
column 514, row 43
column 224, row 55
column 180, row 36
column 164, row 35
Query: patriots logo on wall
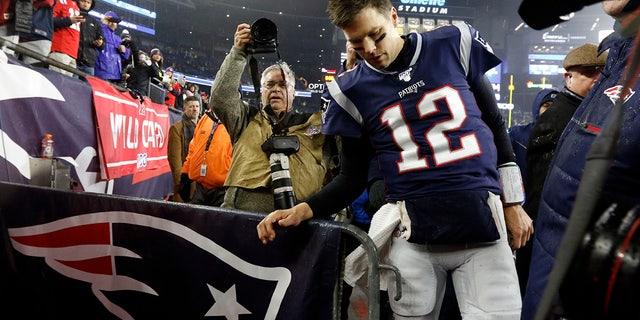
column 82, row 248
column 83, row 255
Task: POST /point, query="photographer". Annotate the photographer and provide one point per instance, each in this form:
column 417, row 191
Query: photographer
column 249, row 180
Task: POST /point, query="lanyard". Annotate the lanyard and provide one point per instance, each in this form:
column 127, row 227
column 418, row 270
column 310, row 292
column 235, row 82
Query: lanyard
column 213, row 128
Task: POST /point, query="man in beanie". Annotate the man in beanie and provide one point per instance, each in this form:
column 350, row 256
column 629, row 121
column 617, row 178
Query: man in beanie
column 621, row 184
column 91, row 38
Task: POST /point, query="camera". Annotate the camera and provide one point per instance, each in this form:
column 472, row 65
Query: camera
column 278, row 148
column 281, row 144
column 264, row 34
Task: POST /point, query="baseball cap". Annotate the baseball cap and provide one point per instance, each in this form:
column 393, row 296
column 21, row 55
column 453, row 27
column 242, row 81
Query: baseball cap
column 113, row 15
column 169, row 69
column 585, row 55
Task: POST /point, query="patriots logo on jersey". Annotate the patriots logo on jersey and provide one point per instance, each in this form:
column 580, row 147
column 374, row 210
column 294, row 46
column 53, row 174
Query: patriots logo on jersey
column 406, row 75
column 483, row 42
column 324, row 107
column 614, row 93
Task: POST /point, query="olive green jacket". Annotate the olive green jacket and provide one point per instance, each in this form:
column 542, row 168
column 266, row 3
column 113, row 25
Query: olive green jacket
column 250, row 169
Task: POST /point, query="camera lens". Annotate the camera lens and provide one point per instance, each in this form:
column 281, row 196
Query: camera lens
column 264, row 30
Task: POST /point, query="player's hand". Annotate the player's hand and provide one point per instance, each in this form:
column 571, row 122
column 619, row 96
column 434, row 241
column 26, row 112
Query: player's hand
column 519, row 226
column 282, row 218
column 242, row 36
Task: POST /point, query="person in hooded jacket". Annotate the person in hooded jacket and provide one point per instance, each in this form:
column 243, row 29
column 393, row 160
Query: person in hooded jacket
column 519, row 134
column 91, row 38
column 140, row 75
column 109, row 62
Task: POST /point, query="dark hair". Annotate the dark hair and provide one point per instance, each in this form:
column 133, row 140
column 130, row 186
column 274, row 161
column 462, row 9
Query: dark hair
column 342, row 12
column 191, row 98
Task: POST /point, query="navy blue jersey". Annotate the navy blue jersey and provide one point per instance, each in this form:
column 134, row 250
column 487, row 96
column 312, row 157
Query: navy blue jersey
column 423, row 121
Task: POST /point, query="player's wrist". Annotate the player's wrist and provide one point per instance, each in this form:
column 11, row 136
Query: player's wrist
column 511, row 184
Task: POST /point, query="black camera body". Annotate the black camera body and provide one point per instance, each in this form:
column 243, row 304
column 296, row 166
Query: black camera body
column 281, row 144
column 265, row 37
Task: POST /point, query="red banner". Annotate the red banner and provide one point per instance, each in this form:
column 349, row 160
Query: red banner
column 132, row 135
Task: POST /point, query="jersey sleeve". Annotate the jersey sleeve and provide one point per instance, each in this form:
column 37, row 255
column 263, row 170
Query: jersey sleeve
column 336, row 121
column 479, row 57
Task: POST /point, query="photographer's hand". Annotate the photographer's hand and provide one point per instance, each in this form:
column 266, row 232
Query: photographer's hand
column 242, row 36
column 283, row 218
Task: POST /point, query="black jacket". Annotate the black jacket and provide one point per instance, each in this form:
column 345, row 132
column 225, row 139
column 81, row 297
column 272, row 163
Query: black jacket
column 542, row 145
column 90, row 30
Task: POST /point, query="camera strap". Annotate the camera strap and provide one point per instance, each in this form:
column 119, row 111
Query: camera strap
column 253, row 66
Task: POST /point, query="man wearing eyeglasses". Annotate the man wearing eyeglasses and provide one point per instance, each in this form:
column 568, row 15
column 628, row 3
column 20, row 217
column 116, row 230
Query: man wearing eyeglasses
column 249, row 182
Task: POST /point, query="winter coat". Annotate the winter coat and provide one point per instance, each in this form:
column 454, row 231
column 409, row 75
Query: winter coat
column 622, row 179
column 109, row 62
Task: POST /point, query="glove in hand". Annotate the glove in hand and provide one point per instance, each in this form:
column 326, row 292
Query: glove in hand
column 185, row 187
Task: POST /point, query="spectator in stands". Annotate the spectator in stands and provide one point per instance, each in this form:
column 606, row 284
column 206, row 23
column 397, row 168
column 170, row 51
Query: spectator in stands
column 180, row 134
column 184, row 92
column 66, row 34
column 173, row 87
column 138, row 77
column 249, row 181
column 109, row 62
column 205, row 101
column 156, row 63
column 91, row 38
column 207, row 163
column 128, row 42
column 34, row 23
column 194, row 89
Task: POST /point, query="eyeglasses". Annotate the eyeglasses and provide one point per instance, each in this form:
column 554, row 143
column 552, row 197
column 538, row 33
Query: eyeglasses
column 271, row 84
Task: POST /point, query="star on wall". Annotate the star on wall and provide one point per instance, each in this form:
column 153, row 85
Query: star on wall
column 225, row 304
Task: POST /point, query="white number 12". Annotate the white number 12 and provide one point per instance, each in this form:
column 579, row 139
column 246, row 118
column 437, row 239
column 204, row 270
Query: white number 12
column 437, row 136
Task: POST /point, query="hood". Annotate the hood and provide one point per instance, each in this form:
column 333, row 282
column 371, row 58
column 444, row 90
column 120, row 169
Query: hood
column 543, row 96
column 93, row 5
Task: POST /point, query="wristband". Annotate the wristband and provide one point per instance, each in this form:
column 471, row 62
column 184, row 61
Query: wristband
column 511, row 183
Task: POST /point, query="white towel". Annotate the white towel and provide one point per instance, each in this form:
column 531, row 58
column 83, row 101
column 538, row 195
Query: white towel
column 383, row 224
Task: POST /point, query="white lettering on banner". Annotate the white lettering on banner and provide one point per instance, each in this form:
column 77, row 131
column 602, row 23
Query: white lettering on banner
column 125, row 128
column 152, row 134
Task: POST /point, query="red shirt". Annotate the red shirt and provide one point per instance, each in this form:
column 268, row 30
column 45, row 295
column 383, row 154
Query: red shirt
column 66, row 39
